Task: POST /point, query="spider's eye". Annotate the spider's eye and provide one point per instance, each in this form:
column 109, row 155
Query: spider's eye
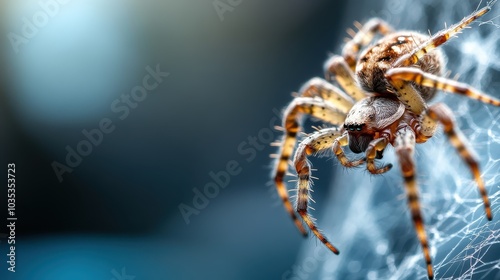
column 358, row 128
column 351, row 127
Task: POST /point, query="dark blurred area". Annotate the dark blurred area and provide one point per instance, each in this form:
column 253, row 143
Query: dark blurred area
column 64, row 65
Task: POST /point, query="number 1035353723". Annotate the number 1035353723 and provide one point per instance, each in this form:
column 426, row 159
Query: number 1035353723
column 11, row 189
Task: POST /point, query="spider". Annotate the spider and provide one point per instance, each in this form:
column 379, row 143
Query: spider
column 386, row 88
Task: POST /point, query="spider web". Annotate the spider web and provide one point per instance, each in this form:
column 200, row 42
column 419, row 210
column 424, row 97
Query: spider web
column 367, row 217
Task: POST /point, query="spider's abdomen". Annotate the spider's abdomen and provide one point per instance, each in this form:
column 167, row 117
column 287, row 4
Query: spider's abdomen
column 377, row 59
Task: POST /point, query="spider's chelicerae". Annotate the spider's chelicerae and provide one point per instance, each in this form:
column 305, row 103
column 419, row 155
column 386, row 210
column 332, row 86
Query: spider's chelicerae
column 386, row 88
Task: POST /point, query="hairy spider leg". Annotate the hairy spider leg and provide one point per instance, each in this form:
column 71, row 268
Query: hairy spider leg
column 407, row 94
column 424, row 128
column 440, row 38
column 337, row 67
column 318, row 141
column 442, row 114
column 299, row 106
column 325, row 90
column 362, row 38
column 433, row 81
column 404, row 145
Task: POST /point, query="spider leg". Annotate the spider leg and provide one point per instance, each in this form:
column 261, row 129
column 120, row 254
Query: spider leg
column 339, row 152
column 299, row 106
column 429, row 80
column 404, row 145
column 325, row 90
column 362, row 38
column 337, row 67
column 375, row 146
column 440, row 38
column 406, row 93
column 317, row 142
column 441, row 113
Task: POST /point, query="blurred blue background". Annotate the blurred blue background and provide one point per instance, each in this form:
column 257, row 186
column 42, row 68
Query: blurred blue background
column 68, row 65
column 119, row 207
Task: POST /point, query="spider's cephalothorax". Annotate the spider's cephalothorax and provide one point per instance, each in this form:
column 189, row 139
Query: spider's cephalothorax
column 368, row 117
column 383, row 102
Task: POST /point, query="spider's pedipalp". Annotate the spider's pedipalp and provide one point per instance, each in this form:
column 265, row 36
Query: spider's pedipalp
column 441, row 113
column 404, row 145
column 432, row 81
column 439, row 38
column 340, row 154
column 377, row 145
